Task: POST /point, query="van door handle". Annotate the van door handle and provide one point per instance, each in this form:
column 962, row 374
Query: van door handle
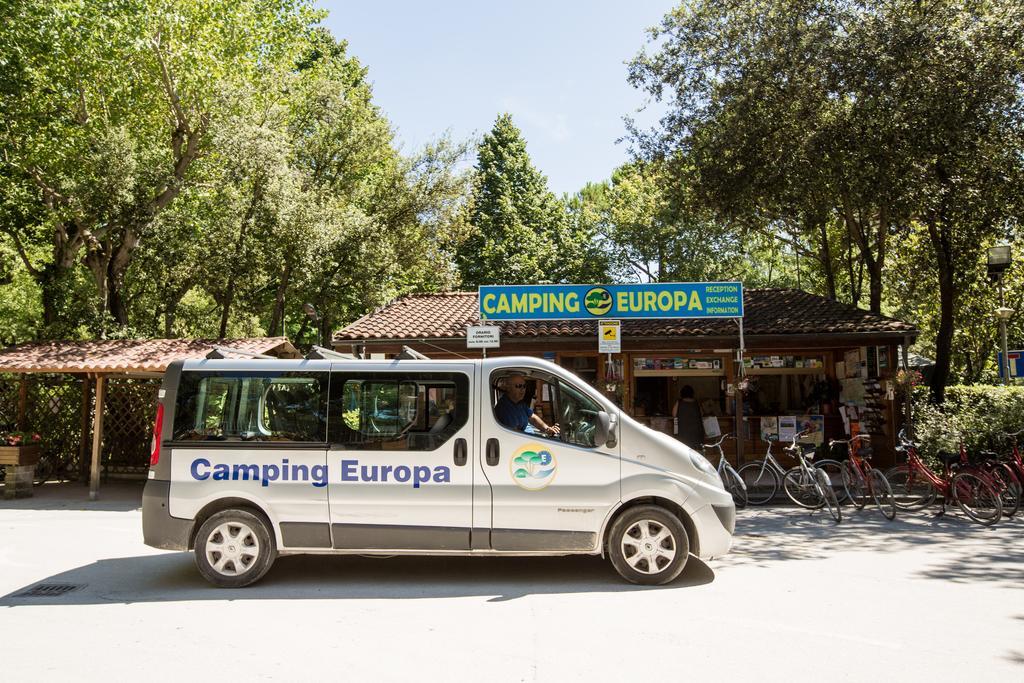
column 460, row 452
column 492, row 452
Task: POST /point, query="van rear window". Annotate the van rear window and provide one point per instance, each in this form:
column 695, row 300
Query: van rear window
column 251, row 406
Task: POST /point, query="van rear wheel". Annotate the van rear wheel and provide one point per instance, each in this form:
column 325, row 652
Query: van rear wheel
column 648, row 545
column 234, row 548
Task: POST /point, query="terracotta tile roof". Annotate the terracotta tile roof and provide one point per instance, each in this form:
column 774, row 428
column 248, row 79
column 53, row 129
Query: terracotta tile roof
column 127, row 355
column 768, row 312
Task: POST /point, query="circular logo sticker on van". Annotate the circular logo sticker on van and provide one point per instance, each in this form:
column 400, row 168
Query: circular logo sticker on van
column 533, row 467
column 598, row 301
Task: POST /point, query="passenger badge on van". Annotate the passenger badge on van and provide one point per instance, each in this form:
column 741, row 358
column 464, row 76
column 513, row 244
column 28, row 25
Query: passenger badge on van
column 533, row 467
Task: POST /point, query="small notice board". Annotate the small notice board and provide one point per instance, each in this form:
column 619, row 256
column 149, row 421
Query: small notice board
column 483, row 337
column 609, row 336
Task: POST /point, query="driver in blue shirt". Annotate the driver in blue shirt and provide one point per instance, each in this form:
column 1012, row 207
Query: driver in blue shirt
column 513, row 411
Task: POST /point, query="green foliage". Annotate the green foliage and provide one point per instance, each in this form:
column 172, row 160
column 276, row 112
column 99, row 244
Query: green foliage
column 859, row 134
column 979, row 416
column 519, row 232
column 205, row 169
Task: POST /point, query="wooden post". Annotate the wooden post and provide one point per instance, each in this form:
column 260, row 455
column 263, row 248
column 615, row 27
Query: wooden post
column 97, row 438
column 83, row 441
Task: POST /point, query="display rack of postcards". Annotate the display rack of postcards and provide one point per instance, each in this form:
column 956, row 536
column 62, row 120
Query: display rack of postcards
column 671, row 365
column 783, row 363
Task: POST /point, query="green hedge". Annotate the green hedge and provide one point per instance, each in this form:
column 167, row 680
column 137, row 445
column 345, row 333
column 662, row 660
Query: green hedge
column 978, row 415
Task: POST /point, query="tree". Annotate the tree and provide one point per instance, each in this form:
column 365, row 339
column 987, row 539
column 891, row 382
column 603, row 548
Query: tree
column 797, row 115
column 106, row 108
column 519, row 230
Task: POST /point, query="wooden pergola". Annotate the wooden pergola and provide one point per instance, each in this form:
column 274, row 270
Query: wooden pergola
column 100, row 360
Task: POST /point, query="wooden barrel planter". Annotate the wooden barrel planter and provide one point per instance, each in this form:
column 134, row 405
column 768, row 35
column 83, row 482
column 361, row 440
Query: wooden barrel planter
column 20, row 465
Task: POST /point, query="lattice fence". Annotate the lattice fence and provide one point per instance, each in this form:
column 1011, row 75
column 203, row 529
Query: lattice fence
column 128, row 425
column 53, row 408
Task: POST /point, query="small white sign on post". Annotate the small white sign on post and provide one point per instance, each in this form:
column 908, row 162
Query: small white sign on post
column 483, row 337
column 609, row 336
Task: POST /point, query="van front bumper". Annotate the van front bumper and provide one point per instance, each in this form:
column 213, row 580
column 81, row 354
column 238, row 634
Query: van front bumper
column 159, row 529
column 715, row 525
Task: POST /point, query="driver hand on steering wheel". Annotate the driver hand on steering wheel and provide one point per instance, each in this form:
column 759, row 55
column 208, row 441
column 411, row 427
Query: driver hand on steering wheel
column 514, row 412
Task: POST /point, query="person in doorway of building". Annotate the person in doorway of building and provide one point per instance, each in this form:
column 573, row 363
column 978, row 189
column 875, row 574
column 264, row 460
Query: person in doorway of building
column 689, row 423
column 514, row 411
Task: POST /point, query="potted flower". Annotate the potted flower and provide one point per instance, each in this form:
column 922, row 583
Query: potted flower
column 19, row 448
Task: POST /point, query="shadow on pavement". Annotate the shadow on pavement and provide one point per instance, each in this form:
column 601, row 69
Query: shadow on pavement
column 121, row 496
column 174, row 577
column 993, row 555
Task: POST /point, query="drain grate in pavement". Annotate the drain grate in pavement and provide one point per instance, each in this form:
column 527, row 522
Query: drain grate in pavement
column 49, row 590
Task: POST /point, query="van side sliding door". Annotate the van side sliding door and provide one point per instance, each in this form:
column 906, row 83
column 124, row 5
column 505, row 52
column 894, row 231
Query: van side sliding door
column 399, row 456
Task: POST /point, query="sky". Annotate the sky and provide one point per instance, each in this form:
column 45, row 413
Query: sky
column 557, row 67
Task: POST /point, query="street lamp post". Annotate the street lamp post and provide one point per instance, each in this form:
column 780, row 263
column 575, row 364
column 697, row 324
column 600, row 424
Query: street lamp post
column 999, row 259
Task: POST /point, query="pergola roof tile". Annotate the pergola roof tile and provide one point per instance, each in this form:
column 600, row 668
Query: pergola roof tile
column 127, row 355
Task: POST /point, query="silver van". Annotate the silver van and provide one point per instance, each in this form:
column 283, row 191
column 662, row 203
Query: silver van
column 501, row 456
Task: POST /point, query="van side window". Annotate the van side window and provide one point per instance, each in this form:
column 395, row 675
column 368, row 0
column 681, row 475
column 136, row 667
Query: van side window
column 251, row 406
column 397, row 411
column 520, row 397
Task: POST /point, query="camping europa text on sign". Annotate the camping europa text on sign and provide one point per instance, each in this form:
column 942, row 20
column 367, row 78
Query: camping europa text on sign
column 654, row 300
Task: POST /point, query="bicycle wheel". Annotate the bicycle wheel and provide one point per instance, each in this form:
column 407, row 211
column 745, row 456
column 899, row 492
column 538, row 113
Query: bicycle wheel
column 828, row 495
column 735, row 486
column 761, row 481
column 802, row 487
column 856, row 487
column 834, row 470
column 910, row 489
column 978, row 499
column 881, row 492
column 1009, row 488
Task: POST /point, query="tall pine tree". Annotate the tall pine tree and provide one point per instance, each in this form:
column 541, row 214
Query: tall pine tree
column 520, row 233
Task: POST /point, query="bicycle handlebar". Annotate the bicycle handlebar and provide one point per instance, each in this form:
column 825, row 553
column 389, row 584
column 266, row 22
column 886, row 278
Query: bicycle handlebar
column 796, row 437
column 853, row 438
column 717, row 443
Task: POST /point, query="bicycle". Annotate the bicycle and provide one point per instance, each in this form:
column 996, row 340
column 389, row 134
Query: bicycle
column 861, row 480
column 807, row 485
column 915, row 485
column 730, row 477
column 1003, row 478
column 762, row 478
column 1014, row 459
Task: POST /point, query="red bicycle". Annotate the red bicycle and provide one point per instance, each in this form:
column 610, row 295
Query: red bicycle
column 1004, row 477
column 916, row 486
column 862, row 481
column 1015, row 461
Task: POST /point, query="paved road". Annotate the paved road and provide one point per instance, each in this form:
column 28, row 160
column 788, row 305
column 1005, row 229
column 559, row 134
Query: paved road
column 922, row 598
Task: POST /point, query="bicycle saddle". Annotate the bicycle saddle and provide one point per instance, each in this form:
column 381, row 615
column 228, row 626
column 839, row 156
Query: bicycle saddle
column 948, row 458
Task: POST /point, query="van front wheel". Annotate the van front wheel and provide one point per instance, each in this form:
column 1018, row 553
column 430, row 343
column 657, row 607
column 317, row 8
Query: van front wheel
column 648, row 545
column 234, row 548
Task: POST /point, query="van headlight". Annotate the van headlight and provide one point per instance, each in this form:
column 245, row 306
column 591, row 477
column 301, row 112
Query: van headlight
column 702, row 464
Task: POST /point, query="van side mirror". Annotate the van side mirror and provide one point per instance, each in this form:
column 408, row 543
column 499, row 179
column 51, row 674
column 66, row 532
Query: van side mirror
column 604, row 433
